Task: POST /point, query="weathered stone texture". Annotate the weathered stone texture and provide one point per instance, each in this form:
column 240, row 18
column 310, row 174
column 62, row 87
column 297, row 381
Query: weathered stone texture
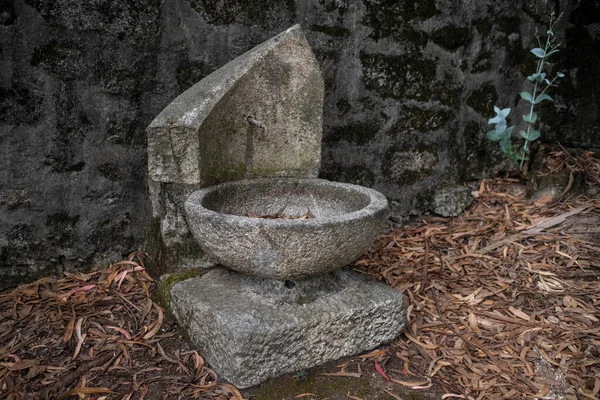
column 574, row 117
column 81, row 80
column 344, row 221
column 259, row 115
column 451, row 201
column 74, row 83
column 251, row 329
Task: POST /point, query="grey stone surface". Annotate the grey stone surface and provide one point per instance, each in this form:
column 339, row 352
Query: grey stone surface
column 251, row 329
column 347, row 218
column 259, row 115
column 77, row 86
column 451, row 201
column 169, row 241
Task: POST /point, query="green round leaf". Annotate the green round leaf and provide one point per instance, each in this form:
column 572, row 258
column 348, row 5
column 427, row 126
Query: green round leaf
column 494, row 136
column 539, row 53
column 526, row 96
column 541, row 98
column 523, row 134
column 533, row 135
column 530, row 118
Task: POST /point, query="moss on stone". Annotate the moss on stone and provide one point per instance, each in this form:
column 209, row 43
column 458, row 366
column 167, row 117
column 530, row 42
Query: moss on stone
column 62, row 228
column 482, row 157
column 241, row 171
column 520, row 58
column 483, row 26
column 359, row 175
column 222, row 173
column 334, row 388
column 539, row 11
column 416, row 119
column 406, row 76
column 406, row 36
column 152, row 246
column 343, row 106
column 451, row 37
column 335, row 5
column 68, row 57
column 508, row 25
column 265, row 13
column 389, row 17
column 328, row 61
column 335, row 31
column 188, row 73
column 162, row 296
column 111, row 170
column 407, row 166
column 8, row 15
column 448, row 92
column 358, row 133
column 20, row 105
column 483, row 62
column 484, row 99
column 418, row 39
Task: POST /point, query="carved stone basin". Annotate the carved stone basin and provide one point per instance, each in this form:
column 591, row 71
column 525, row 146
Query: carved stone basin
column 285, row 228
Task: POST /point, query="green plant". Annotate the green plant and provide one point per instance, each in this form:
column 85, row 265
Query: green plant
column 502, row 132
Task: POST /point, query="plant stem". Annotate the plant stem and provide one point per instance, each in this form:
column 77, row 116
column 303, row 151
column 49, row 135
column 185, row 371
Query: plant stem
column 538, row 71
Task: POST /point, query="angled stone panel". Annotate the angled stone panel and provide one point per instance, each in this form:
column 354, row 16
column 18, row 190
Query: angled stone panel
column 259, row 115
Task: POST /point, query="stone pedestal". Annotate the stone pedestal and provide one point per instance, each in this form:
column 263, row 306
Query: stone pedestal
column 260, row 116
column 251, row 329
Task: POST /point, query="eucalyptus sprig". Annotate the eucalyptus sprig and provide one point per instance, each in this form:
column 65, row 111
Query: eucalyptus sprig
column 502, row 132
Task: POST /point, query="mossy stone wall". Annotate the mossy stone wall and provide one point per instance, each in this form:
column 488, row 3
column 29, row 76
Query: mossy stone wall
column 409, row 85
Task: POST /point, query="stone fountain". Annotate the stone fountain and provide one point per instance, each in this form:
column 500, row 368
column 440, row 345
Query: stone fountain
column 237, row 156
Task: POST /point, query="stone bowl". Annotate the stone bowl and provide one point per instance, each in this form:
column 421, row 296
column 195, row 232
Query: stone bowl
column 228, row 223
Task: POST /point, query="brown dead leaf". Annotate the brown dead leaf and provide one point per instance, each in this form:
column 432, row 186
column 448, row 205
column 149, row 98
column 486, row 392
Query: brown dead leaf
column 519, row 313
column 353, row 397
column 394, row 395
column 342, row 373
column 374, row 354
column 84, row 390
column 20, row 365
column 501, row 291
column 411, row 383
column 232, row 390
column 157, row 324
column 70, row 328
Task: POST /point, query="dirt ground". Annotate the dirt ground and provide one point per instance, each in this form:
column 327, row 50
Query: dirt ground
column 504, row 303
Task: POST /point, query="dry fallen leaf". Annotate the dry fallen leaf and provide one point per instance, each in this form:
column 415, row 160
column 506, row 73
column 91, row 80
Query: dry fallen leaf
column 519, row 313
column 485, row 288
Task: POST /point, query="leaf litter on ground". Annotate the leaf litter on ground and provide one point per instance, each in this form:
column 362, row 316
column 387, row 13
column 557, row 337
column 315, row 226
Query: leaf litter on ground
column 97, row 334
column 503, row 304
column 504, row 301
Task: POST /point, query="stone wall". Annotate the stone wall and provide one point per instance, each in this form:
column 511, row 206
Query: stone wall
column 409, row 87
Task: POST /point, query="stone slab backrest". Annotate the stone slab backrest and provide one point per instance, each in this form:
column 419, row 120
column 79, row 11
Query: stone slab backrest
column 259, row 115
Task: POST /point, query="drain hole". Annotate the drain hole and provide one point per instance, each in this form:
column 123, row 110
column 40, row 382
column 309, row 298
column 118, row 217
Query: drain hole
column 289, row 284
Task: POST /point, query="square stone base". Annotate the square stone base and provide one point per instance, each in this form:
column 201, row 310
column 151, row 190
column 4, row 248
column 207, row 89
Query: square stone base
column 251, row 329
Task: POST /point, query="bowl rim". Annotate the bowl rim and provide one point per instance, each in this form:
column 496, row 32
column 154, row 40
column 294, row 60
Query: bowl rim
column 377, row 203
